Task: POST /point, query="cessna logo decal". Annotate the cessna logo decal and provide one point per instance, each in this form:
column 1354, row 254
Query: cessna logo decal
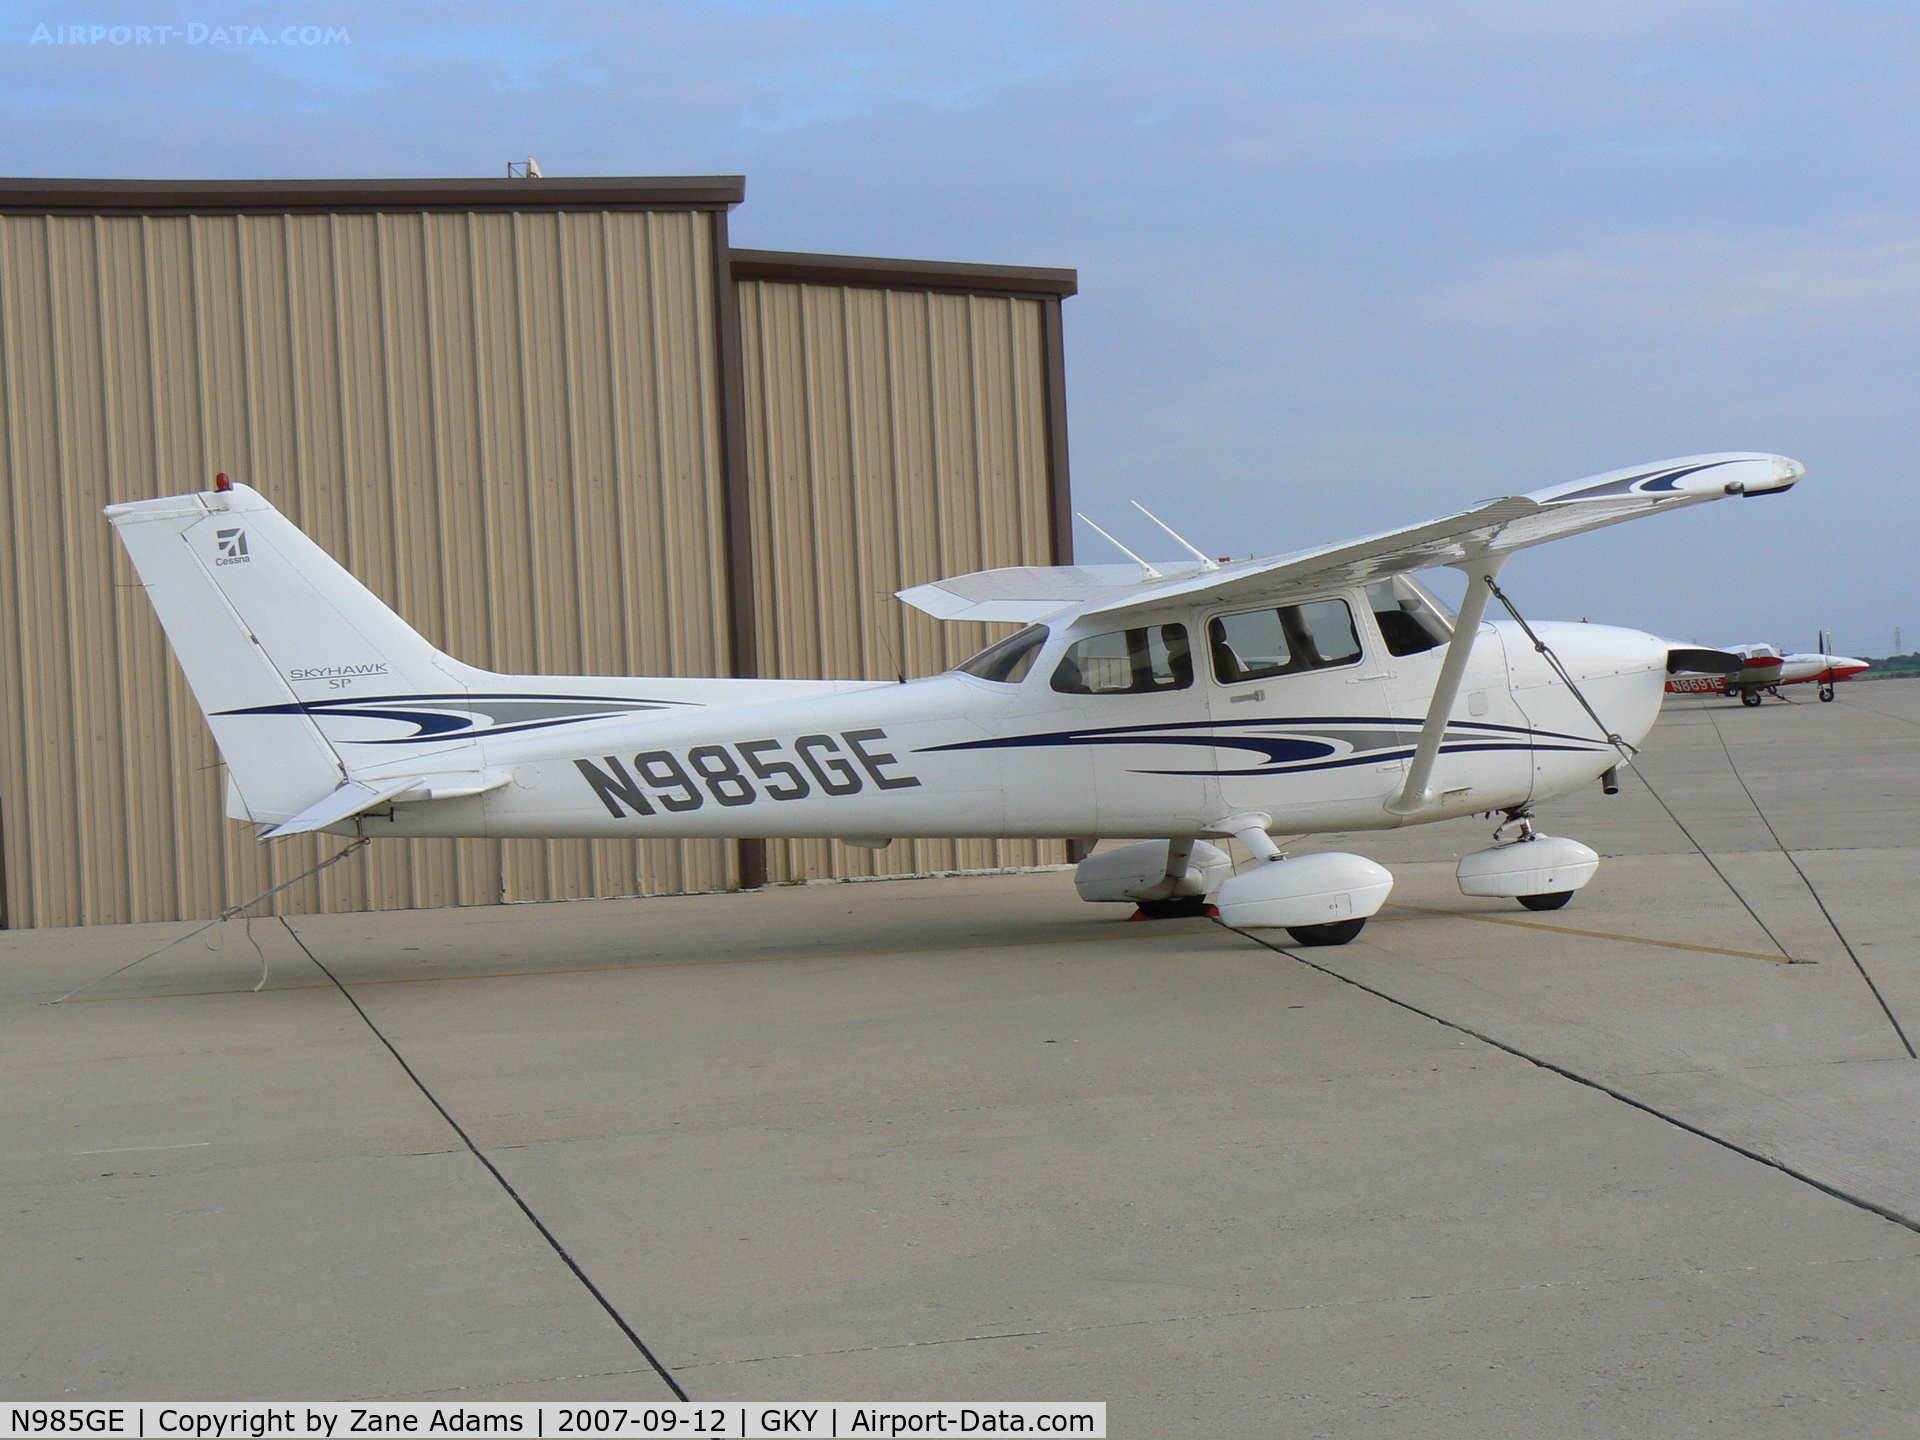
column 675, row 782
column 233, row 547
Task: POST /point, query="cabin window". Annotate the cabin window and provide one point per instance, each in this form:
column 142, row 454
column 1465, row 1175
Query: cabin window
column 1409, row 620
column 1008, row 661
column 1127, row 662
column 1286, row 640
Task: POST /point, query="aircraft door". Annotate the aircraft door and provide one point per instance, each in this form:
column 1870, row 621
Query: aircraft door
column 1140, row 723
column 1302, row 729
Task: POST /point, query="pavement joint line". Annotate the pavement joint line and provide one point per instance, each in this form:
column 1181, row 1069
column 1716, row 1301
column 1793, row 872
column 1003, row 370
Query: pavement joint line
column 1598, row 934
column 494, row 1170
column 1859, row 1201
column 1128, row 934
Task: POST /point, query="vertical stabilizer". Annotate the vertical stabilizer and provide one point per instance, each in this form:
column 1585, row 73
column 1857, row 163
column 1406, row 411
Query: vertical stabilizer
column 265, row 623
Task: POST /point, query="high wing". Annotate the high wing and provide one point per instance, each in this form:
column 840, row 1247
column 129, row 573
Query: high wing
column 1493, row 527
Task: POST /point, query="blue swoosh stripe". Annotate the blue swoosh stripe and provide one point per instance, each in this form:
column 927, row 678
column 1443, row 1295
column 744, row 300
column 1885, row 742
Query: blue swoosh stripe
column 1372, row 757
column 1314, row 721
column 1286, row 754
column 459, row 717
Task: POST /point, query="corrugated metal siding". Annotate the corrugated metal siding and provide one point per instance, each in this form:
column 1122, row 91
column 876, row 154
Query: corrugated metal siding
column 505, row 424
column 894, row 437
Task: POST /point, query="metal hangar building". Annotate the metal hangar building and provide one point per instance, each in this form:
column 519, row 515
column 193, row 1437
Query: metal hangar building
column 560, row 425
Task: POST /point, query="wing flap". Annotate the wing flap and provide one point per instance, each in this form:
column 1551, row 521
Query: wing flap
column 1025, row 593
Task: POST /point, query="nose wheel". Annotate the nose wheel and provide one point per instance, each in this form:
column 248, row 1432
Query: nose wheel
column 1826, row 694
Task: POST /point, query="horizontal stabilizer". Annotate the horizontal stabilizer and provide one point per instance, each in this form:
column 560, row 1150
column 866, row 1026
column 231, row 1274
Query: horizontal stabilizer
column 343, row 804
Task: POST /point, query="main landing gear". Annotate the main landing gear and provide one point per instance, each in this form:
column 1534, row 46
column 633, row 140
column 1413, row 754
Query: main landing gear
column 1751, row 697
column 1540, row 871
column 1181, row 907
column 1337, row 932
column 1320, row 899
column 1161, row 879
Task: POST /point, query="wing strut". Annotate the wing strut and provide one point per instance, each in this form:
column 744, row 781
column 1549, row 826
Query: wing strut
column 1414, row 796
column 1152, row 574
column 1207, row 562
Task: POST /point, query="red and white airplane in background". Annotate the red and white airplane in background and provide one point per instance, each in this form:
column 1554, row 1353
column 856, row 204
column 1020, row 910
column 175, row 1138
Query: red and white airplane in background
column 1765, row 670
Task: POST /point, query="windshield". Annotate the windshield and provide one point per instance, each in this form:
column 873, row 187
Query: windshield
column 1008, row 661
column 1409, row 617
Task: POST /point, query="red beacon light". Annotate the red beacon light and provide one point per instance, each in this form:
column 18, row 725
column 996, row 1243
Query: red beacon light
column 221, row 482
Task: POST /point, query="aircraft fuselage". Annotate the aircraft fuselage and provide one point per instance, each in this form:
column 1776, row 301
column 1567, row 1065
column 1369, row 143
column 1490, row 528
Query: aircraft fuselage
column 959, row 755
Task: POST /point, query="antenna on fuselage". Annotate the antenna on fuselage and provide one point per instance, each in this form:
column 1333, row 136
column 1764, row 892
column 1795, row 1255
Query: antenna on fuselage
column 1207, row 562
column 1152, row 574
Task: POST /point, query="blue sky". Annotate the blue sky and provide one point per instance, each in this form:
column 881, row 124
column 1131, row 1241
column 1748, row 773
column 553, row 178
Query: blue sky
column 1342, row 265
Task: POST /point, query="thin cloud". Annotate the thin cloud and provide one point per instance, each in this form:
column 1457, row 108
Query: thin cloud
column 1864, row 271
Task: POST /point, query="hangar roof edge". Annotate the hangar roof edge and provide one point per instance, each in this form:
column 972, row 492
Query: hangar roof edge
column 877, row 271
column 39, row 196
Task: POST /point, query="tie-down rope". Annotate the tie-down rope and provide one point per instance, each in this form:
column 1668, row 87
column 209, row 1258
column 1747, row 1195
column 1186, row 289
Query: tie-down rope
column 245, row 908
column 1627, row 753
column 1807, row 880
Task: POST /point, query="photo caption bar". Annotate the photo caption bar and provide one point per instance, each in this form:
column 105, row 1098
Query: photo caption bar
column 819, row 1420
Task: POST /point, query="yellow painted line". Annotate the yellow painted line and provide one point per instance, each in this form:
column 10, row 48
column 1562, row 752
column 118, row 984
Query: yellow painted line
column 1600, row 934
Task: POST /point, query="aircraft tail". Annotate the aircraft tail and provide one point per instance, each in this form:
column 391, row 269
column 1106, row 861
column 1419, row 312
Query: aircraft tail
column 266, row 624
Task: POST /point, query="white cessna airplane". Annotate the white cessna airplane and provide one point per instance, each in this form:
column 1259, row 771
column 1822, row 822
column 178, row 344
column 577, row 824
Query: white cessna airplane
column 1320, row 691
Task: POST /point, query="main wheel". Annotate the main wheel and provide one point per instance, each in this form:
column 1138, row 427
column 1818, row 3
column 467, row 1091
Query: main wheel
column 1826, row 694
column 1181, row 907
column 1337, row 932
column 1552, row 900
column 1751, row 697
